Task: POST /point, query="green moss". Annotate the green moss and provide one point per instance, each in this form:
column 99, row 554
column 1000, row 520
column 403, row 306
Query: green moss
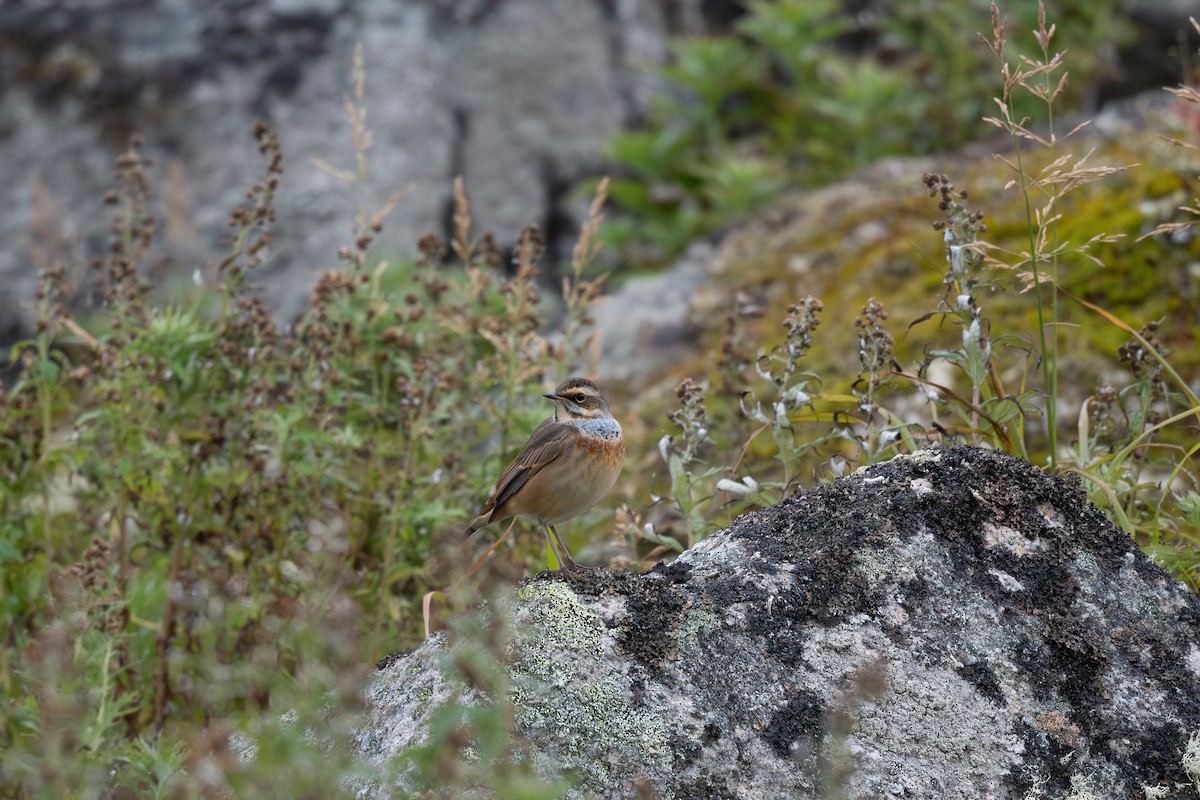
column 563, row 623
column 904, row 262
column 563, row 674
column 687, row 633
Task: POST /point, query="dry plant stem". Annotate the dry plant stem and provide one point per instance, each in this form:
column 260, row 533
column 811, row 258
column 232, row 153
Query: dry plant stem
column 166, row 630
column 1050, row 361
column 461, row 243
column 1015, row 131
column 997, row 428
column 579, row 294
column 45, row 404
column 356, row 112
column 1176, row 378
column 427, row 610
column 366, row 225
column 586, row 247
column 491, row 548
column 1041, row 223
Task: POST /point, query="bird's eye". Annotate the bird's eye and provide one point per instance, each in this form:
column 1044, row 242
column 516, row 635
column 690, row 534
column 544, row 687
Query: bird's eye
column 579, row 398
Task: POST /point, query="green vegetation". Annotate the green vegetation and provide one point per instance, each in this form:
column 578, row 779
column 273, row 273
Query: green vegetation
column 784, row 101
column 1133, row 446
column 211, row 525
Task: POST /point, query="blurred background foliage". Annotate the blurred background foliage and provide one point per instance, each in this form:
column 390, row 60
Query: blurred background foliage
column 801, row 92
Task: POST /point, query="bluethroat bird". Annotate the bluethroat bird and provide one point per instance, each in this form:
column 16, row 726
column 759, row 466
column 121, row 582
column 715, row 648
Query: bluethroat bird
column 569, row 463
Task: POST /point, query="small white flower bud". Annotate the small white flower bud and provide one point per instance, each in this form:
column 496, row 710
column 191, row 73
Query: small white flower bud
column 734, row 488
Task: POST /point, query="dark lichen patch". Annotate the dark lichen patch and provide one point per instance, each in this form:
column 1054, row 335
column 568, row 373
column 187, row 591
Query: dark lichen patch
column 675, row 572
column 797, row 726
column 1043, row 587
column 1138, row 643
column 706, row 791
column 1173, row 661
column 689, row 745
column 647, row 632
column 981, row 676
column 1045, row 757
column 1033, row 663
column 1155, row 752
column 388, row 660
column 732, row 589
column 837, row 520
column 1150, row 648
column 1078, row 662
column 783, row 641
column 591, row 582
column 637, row 690
column 914, row 595
column 685, row 751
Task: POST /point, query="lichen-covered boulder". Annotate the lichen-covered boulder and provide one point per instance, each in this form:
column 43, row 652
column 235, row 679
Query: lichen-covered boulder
column 951, row 624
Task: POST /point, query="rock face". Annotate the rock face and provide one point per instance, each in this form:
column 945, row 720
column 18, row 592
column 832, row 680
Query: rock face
column 952, row 624
column 517, row 95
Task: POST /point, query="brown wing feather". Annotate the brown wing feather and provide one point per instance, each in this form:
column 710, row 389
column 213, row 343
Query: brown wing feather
column 545, row 445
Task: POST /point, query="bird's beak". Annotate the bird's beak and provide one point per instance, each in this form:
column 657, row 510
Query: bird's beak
column 553, row 396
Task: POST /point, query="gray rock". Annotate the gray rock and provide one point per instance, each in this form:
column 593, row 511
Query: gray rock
column 644, row 324
column 517, row 95
column 951, row 624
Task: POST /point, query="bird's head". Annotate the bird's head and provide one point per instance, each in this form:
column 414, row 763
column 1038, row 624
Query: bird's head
column 578, row 399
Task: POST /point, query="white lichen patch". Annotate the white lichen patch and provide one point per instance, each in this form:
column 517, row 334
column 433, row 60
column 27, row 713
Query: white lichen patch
column 1002, row 537
column 922, row 555
column 1086, row 787
column 924, row 710
column 893, row 614
column 1054, row 518
column 611, row 607
column 1008, row 582
column 928, row 455
column 1191, row 759
column 921, row 487
column 1193, row 659
column 706, row 555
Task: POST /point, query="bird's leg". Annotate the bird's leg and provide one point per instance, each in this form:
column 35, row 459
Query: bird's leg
column 560, row 550
column 553, row 547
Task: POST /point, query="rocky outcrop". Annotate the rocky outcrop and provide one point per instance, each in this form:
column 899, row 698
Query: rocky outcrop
column 517, row 95
column 950, row 624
